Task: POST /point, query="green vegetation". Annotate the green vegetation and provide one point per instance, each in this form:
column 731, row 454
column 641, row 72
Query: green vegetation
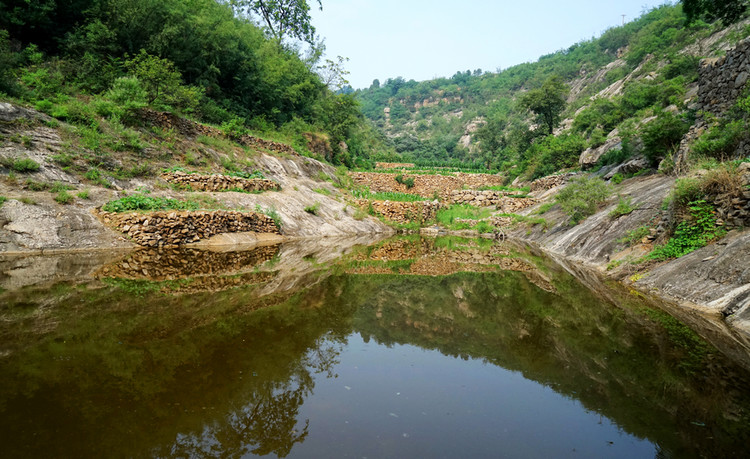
column 313, row 209
column 63, row 197
column 448, row 216
column 635, row 235
column 692, row 234
column 84, row 194
column 624, row 207
column 387, row 196
column 2, row 200
column 407, row 181
column 21, row 165
column 582, row 196
column 147, row 203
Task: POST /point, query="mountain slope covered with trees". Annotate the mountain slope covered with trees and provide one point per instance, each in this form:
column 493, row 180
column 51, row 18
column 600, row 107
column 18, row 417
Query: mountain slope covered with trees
column 535, row 119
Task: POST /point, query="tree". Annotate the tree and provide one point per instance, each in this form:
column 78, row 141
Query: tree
column 283, row 18
column 158, row 76
column 333, row 74
column 547, row 102
column 729, row 11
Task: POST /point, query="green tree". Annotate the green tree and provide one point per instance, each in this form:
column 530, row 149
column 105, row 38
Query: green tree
column 547, row 102
column 283, row 18
column 729, row 11
column 158, row 76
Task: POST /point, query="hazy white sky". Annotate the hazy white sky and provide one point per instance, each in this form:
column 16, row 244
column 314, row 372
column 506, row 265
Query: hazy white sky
column 423, row 39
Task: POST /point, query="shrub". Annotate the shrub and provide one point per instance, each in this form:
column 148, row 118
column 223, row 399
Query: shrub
column 690, row 235
column 721, row 141
column 63, row 197
column 407, row 181
column 662, row 135
column 25, row 165
column 581, row 197
column 624, row 207
column 313, row 209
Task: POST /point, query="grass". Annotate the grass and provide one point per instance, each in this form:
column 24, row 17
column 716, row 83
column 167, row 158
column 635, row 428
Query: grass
column 21, row 165
column 631, row 237
column 387, row 196
column 323, row 191
column 544, row 208
column 313, row 209
column 148, row 203
column 63, row 197
column 624, row 207
column 83, row 194
column 2, row 200
column 447, row 217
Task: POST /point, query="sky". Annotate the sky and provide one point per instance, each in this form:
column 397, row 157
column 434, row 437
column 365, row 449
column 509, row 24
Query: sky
column 425, row 39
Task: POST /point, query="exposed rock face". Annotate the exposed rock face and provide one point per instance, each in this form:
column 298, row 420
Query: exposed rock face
column 425, row 185
column 630, row 166
column 172, row 229
column 201, row 182
column 591, row 156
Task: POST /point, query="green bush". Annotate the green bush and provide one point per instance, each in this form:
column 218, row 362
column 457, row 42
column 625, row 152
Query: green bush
column 662, row 135
column 581, row 197
column 408, row 181
column 721, row 141
column 25, row 165
column 313, row 209
column 624, row 207
column 690, row 235
column 2, row 200
column 63, row 197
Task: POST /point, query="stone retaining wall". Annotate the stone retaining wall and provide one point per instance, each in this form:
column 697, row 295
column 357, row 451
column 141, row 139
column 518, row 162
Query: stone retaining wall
column 722, row 79
column 733, row 206
column 425, row 185
column 201, row 182
column 488, row 198
column 548, row 182
column 171, row 229
column 403, row 212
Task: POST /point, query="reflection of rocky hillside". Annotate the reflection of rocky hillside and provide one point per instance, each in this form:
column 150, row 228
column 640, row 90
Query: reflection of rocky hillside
column 171, row 264
column 443, row 256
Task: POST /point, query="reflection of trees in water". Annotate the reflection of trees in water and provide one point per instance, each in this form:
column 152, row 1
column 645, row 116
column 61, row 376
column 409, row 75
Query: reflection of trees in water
column 268, row 424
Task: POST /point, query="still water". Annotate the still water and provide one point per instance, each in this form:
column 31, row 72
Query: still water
column 409, row 347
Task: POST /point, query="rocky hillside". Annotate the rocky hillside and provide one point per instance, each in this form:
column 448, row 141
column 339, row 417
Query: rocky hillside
column 52, row 195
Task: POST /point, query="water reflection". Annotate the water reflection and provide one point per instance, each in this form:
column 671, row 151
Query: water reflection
column 274, row 346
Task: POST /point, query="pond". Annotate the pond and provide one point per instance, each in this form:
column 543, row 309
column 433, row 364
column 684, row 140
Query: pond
column 408, row 347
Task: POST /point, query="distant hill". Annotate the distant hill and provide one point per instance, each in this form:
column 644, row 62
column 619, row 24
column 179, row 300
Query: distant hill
column 646, row 68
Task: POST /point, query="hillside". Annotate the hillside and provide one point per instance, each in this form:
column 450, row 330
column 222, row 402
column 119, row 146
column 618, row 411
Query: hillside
column 537, row 118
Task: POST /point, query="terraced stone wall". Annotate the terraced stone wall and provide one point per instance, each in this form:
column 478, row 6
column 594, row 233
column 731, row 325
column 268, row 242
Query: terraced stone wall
column 202, row 182
column 172, row 229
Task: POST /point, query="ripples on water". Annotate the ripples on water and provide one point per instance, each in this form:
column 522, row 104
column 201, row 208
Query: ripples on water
column 410, row 347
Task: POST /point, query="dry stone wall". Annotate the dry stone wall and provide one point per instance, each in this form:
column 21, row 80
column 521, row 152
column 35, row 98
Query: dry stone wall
column 172, row 229
column 426, row 185
column 722, row 79
column 548, row 182
column 403, row 212
column 201, row 182
column 488, row 198
column 733, row 205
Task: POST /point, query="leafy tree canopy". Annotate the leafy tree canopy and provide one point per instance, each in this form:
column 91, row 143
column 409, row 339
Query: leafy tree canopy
column 729, row 11
column 547, row 102
column 282, row 18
